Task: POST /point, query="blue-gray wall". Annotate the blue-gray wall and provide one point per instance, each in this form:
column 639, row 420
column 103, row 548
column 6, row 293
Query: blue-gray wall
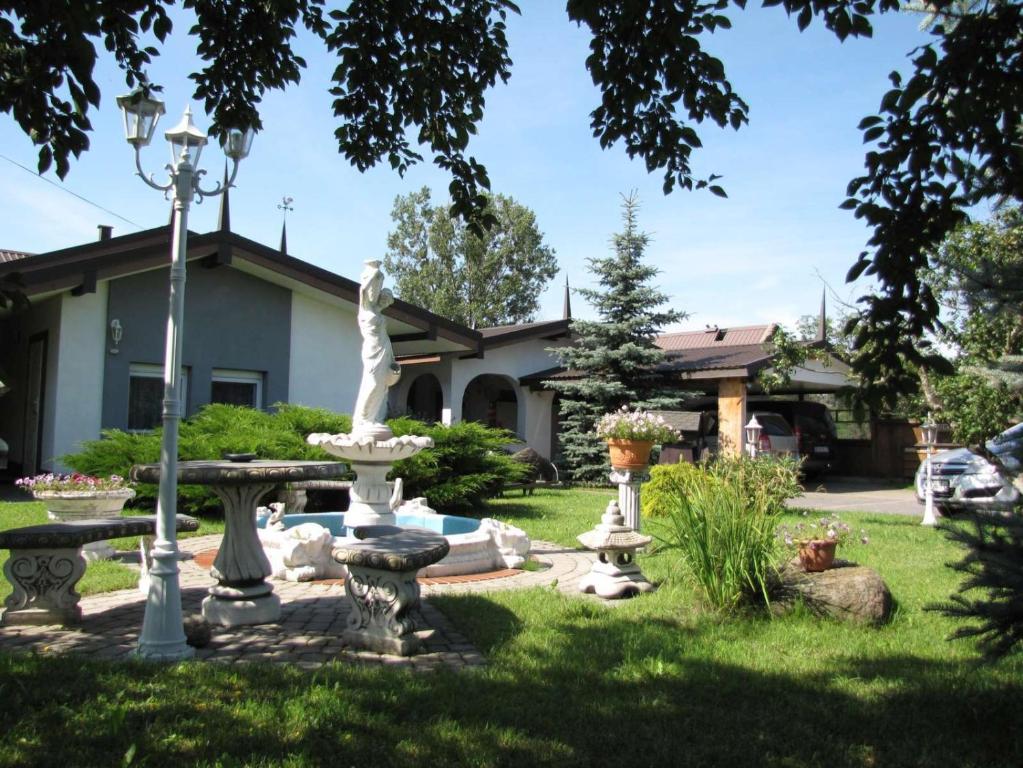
column 232, row 320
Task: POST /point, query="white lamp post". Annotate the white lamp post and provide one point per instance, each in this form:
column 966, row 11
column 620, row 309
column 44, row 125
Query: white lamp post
column 163, row 636
column 930, row 430
column 753, row 430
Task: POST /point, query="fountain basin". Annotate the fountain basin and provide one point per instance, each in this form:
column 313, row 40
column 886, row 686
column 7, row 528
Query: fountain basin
column 476, row 546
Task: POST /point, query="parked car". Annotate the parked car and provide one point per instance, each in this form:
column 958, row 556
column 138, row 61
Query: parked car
column 813, row 426
column 964, row 480
column 776, row 436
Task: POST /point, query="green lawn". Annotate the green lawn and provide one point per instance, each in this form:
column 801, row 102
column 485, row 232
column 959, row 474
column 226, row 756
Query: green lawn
column 651, row 681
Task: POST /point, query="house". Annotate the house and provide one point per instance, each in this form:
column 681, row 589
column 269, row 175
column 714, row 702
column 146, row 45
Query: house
column 261, row 327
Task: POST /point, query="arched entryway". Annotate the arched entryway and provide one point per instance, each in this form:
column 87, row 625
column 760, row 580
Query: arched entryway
column 425, row 400
column 490, row 399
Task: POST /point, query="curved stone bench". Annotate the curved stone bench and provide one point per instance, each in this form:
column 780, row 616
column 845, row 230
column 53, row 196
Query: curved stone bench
column 381, row 584
column 46, row 563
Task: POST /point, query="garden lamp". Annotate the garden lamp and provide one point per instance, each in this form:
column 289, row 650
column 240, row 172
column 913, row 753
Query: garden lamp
column 930, row 434
column 753, row 429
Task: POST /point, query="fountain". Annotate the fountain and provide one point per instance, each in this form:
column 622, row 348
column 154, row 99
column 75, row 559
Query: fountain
column 298, row 551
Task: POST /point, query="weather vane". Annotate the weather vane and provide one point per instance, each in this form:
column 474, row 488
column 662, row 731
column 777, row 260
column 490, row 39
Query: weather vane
column 286, row 205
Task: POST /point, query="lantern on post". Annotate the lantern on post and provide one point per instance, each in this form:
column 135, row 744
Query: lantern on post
column 930, row 432
column 753, row 430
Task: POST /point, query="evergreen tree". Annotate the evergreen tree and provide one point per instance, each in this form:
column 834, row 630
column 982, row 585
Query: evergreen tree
column 615, row 356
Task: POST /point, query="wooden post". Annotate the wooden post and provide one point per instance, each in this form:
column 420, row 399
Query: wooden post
column 731, row 416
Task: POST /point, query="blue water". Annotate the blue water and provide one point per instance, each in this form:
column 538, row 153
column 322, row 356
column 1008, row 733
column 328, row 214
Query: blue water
column 448, row 525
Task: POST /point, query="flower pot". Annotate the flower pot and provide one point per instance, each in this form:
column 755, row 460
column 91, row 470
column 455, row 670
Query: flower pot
column 817, row 554
column 66, row 506
column 630, row 454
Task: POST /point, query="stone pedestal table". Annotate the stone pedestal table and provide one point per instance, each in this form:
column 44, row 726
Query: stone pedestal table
column 242, row 594
column 381, row 584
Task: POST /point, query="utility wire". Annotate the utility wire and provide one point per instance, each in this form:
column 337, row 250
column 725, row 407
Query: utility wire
column 75, row 194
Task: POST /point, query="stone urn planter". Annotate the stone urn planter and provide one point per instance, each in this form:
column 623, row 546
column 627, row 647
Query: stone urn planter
column 630, row 454
column 817, row 555
column 66, row 506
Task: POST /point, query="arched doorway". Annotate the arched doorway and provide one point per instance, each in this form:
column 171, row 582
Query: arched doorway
column 425, row 399
column 490, row 399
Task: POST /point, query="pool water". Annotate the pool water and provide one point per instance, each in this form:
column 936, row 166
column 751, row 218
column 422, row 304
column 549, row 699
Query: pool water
column 447, row 525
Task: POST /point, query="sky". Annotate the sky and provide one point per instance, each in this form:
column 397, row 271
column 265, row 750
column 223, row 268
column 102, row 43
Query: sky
column 764, row 254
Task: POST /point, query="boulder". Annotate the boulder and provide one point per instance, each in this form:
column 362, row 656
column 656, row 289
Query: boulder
column 539, row 467
column 846, row 591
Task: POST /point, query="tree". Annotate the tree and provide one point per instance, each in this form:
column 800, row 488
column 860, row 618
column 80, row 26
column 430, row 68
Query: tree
column 974, row 276
column 414, row 74
column 479, row 280
column 614, row 357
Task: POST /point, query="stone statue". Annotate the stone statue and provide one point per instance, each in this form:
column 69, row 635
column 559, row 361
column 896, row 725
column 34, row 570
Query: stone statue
column 380, row 371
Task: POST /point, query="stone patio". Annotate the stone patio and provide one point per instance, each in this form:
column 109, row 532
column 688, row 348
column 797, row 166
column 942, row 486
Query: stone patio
column 312, row 618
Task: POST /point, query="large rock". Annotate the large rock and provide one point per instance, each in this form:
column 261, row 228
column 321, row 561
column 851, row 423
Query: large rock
column 846, row 591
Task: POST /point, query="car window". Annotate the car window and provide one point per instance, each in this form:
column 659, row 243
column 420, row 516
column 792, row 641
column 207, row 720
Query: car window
column 774, row 425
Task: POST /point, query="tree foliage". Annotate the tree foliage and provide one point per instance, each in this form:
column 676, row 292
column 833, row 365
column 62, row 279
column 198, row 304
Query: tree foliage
column 614, row 358
column 478, row 279
column 945, row 139
column 974, row 276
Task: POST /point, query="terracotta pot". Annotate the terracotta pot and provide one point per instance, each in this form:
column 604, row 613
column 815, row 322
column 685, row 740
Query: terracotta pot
column 817, row 554
column 630, row 454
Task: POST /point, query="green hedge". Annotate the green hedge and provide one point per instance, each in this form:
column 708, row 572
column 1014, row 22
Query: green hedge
column 466, row 465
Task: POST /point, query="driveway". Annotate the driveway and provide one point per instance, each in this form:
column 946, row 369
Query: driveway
column 844, row 495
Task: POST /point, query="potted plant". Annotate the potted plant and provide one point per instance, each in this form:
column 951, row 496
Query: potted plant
column 815, row 542
column 80, row 497
column 630, row 436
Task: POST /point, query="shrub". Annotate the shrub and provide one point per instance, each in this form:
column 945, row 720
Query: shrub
column 765, row 482
column 726, row 546
column 465, row 466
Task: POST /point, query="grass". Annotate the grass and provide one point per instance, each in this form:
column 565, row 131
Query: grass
column 651, row 681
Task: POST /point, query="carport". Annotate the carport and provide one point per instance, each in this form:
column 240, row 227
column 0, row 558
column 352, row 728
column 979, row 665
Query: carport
column 727, row 361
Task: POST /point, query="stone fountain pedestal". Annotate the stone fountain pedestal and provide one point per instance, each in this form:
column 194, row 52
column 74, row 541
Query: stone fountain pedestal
column 371, row 456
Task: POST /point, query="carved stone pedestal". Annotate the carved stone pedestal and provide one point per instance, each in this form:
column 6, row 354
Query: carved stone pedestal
column 629, row 481
column 381, row 585
column 44, row 586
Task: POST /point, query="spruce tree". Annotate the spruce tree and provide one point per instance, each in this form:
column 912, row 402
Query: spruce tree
column 614, row 357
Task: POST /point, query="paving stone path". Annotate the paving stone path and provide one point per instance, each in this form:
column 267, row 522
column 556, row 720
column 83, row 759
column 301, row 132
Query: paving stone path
column 313, row 614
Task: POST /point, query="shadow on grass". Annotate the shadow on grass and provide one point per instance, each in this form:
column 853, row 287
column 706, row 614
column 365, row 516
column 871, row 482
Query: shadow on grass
column 576, row 683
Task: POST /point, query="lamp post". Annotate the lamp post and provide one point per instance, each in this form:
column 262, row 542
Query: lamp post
column 753, row 430
column 930, row 430
column 163, row 636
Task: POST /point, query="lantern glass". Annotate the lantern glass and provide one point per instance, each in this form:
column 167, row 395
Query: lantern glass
column 753, row 431
column 238, row 143
column 141, row 114
column 186, row 137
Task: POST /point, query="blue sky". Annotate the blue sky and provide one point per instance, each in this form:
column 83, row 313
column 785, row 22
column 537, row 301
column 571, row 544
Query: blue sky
column 764, row 254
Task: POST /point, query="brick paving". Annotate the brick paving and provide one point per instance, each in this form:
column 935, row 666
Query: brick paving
column 313, row 615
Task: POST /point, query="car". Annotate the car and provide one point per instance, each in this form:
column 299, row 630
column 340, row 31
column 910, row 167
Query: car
column 776, row 436
column 962, row 479
column 813, row 426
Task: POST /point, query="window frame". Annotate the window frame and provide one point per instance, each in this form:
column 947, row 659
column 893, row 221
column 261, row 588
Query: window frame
column 240, row 376
column 154, row 371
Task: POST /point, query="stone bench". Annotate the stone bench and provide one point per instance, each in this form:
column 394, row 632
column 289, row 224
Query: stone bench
column 381, row 584
column 46, row 563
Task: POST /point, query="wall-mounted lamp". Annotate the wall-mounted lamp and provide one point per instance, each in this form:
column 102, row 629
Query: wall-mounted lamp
column 116, row 332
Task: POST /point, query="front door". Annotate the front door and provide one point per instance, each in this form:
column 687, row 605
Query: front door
column 34, row 391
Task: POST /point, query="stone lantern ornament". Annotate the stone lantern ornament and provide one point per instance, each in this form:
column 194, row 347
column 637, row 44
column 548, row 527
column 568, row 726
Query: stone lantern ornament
column 615, row 573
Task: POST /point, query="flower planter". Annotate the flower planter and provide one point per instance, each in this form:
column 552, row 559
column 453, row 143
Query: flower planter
column 67, row 506
column 630, row 454
column 817, row 554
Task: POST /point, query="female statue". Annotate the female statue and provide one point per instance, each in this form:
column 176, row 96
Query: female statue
column 380, row 371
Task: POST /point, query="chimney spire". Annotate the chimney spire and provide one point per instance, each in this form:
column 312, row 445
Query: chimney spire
column 822, row 320
column 566, row 313
column 224, row 218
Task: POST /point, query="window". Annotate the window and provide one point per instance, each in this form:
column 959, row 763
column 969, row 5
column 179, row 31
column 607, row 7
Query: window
column 145, row 395
column 237, row 387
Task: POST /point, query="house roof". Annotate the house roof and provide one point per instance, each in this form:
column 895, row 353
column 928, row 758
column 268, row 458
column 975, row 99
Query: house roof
column 501, row 335
column 714, row 337
column 79, row 268
column 6, row 256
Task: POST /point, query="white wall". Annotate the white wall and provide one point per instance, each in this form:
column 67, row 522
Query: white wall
column 325, row 355
column 77, row 414
column 514, row 361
